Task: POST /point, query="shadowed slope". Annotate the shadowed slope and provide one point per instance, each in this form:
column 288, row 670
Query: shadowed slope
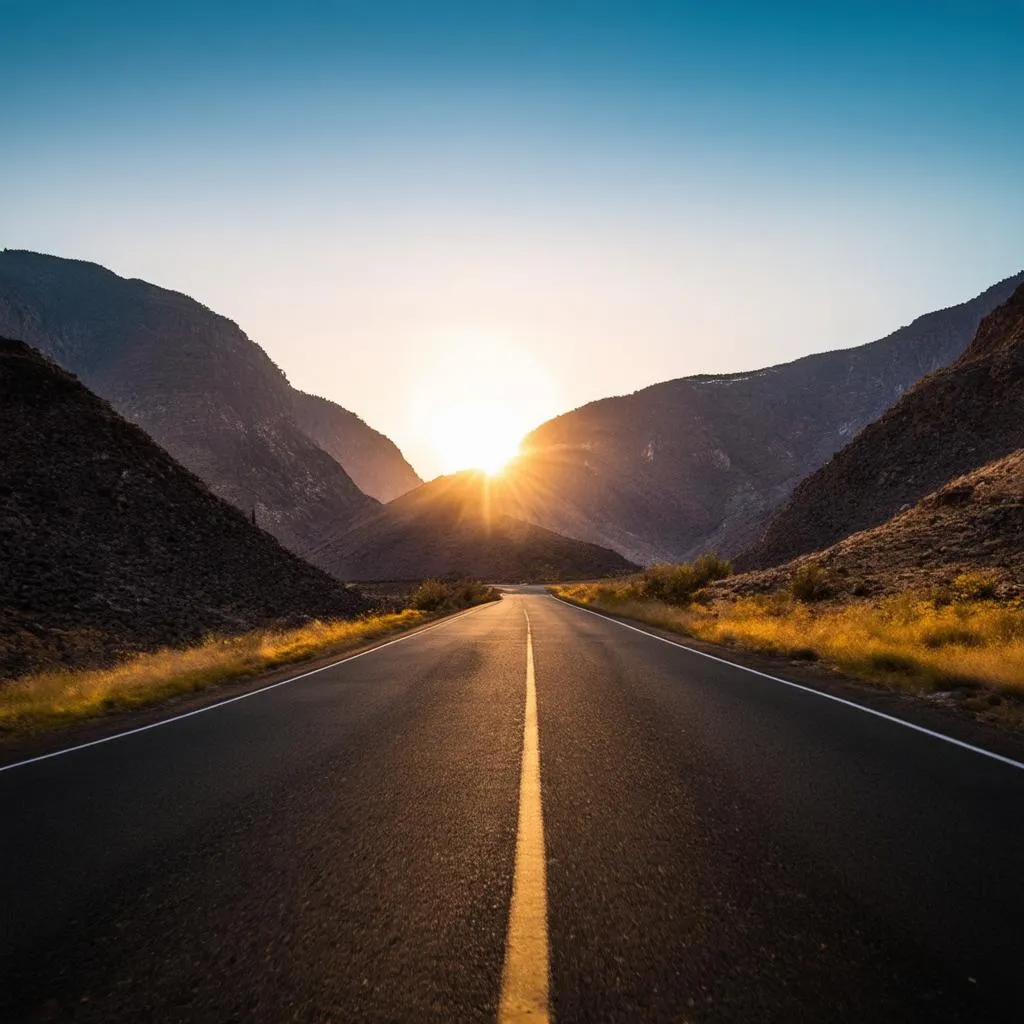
column 952, row 422
column 459, row 525
column 108, row 546
column 974, row 524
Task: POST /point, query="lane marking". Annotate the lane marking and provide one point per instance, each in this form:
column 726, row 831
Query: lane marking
column 233, row 700
column 806, row 689
column 524, row 984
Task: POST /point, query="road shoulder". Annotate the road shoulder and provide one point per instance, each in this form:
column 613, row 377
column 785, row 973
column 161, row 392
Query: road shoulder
column 15, row 749
column 926, row 711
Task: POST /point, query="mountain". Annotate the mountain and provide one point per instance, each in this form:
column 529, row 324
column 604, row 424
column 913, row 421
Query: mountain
column 700, row 463
column 453, row 526
column 372, row 460
column 196, row 384
column 972, row 524
column 953, row 421
column 107, row 545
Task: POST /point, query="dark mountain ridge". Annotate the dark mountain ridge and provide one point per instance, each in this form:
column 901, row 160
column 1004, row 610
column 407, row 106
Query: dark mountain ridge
column 109, row 546
column 953, row 421
column 455, row 525
column 196, row 384
column 700, row 463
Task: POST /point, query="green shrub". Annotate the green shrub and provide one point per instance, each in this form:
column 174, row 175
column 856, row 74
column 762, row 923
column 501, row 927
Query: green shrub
column 429, row 596
column 450, row 595
column 677, row 584
column 811, row 583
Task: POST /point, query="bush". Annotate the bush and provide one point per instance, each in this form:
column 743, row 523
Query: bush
column 677, row 584
column 945, row 634
column 450, row 595
column 811, row 583
column 892, row 661
column 974, row 586
column 429, row 596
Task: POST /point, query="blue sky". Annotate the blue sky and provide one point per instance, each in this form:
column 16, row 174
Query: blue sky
column 606, row 194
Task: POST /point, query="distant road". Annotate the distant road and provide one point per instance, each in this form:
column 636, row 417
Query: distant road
column 688, row 842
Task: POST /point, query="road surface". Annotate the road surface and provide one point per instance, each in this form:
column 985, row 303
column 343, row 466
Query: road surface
column 684, row 841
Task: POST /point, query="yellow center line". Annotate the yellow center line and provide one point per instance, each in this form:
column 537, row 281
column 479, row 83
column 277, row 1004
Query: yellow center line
column 524, row 983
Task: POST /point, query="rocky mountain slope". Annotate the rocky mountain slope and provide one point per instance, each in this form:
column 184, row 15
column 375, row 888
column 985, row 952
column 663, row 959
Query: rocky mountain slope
column 700, row 463
column 372, row 460
column 196, row 384
column 107, row 545
column 972, row 525
column 955, row 420
column 454, row 526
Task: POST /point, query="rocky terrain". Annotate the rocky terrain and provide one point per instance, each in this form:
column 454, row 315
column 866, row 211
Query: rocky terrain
column 454, row 526
column 700, row 463
column 973, row 525
column 954, row 421
column 109, row 546
column 206, row 393
column 372, row 460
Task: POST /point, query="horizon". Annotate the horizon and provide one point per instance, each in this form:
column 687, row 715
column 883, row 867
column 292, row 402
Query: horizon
column 522, row 209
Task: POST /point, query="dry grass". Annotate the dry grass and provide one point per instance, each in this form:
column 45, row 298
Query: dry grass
column 48, row 700
column 909, row 640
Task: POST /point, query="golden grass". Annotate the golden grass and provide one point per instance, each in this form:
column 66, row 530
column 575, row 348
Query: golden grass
column 51, row 699
column 907, row 640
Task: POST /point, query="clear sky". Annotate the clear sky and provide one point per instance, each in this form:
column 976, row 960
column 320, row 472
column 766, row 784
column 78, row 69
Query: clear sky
column 438, row 212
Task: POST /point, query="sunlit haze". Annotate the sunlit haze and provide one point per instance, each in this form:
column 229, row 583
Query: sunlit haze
column 458, row 220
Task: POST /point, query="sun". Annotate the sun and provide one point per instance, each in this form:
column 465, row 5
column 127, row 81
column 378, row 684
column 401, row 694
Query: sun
column 477, row 434
column 477, row 399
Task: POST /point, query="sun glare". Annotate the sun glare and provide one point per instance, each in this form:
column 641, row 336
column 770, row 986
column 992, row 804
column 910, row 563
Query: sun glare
column 477, row 399
column 477, row 434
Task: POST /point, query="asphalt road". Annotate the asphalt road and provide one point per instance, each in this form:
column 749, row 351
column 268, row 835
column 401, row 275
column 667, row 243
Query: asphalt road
column 714, row 846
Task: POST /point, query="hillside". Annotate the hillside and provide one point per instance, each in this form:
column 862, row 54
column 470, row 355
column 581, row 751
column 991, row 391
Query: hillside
column 372, row 460
column 954, row 421
column 973, row 524
column 701, row 462
column 196, row 384
column 107, row 545
column 453, row 526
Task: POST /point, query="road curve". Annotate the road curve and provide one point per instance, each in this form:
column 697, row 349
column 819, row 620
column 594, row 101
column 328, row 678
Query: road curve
column 715, row 847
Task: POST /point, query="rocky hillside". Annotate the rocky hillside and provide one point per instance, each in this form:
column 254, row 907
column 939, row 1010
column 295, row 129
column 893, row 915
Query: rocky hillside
column 453, row 526
column 972, row 525
column 952, row 422
column 196, row 384
column 700, row 463
column 107, row 545
column 372, row 460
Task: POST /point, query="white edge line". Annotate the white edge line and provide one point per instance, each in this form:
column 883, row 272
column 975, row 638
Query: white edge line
column 232, row 700
column 806, row 689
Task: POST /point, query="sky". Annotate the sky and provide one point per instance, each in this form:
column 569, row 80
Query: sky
column 442, row 215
